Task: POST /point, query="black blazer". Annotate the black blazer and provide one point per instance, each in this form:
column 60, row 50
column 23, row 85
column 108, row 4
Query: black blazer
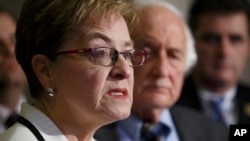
column 189, row 97
column 190, row 125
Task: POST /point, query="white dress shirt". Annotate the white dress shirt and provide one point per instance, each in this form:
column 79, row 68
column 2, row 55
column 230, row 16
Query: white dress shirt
column 228, row 107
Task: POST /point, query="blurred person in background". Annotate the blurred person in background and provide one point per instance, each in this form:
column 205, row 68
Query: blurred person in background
column 165, row 37
column 221, row 30
column 12, row 78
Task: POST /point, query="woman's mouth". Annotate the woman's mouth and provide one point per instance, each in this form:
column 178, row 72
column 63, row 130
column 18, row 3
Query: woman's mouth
column 121, row 93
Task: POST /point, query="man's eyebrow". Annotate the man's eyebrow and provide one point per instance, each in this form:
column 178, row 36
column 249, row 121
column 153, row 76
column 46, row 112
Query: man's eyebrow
column 236, row 35
column 150, row 39
column 177, row 50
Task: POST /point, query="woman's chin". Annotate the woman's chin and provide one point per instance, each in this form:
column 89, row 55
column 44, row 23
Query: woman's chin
column 119, row 115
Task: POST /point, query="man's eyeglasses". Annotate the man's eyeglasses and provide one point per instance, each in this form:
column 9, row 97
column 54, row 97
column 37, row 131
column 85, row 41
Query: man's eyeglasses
column 105, row 56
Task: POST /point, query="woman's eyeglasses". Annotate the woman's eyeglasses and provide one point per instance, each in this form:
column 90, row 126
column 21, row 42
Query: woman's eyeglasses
column 105, row 56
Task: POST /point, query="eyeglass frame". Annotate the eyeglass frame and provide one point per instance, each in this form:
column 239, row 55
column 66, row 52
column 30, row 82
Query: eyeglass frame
column 92, row 50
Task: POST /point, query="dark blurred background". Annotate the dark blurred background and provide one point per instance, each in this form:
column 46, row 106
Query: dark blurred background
column 14, row 6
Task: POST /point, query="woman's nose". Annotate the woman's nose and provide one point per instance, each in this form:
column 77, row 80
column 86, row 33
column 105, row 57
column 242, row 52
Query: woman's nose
column 121, row 69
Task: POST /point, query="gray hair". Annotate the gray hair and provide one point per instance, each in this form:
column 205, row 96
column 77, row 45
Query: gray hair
column 191, row 56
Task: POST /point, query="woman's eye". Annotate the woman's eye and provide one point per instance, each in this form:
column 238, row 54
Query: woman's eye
column 101, row 53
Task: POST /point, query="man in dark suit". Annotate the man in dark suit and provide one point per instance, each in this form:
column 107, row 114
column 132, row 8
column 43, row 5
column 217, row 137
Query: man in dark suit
column 158, row 83
column 221, row 30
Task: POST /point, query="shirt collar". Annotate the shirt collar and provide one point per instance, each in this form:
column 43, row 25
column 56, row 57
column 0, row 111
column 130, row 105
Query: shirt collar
column 166, row 119
column 45, row 126
column 207, row 95
column 132, row 125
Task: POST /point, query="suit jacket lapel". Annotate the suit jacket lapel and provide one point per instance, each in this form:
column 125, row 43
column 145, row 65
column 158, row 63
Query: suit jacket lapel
column 243, row 104
column 190, row 98
column 182, row 125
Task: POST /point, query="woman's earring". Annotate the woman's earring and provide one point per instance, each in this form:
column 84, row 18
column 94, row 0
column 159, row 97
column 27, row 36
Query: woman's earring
column 51, row 92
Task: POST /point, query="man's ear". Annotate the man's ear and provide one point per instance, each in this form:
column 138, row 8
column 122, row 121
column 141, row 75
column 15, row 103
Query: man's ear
column 42, row 68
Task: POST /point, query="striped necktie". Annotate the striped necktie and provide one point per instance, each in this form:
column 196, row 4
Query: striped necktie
column 154, row 132
column 216, row 105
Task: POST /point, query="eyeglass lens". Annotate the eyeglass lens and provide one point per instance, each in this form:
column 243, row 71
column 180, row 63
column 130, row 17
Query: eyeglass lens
column 109, row 56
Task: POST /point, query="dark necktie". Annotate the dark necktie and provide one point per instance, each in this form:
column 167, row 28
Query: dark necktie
column 217, row 111
column 151, row 132
column 11, row 120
